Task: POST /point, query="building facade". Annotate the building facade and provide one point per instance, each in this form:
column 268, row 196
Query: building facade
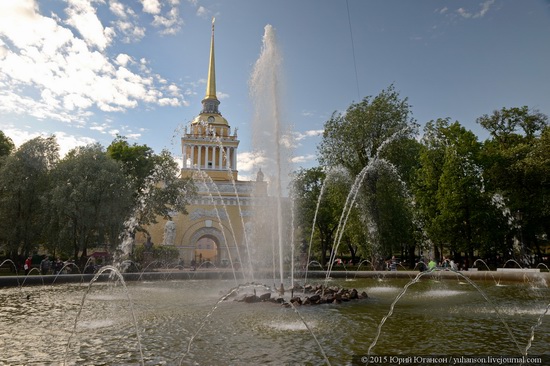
column 215, row 230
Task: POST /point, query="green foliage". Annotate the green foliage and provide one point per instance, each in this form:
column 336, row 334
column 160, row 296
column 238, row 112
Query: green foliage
column 306, row 189
column 138, row 160
column 377, row 131
column 352, row 139
column 158, row 190
column 465, row 196
column 24, row 180
column 90, row 199
column 6, row 145
column 516, row 166
column 66, row 206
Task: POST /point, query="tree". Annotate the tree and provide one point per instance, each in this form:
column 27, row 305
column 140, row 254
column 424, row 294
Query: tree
column 307, row 187
column 515, row 167
column 426, row 182
column 90, row 199
column 24, row 180
column 367, row 141
column 158, row 190
column 6, row 145
column 455, row 206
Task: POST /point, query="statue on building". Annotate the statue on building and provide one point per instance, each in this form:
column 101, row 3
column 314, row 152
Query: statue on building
column 260, row 176
column 169, row 233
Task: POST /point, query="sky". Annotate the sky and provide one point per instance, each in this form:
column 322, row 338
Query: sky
column 89, row 70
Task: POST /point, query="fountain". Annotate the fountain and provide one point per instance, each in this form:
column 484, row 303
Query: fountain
column 268, row 139
column 182, row 319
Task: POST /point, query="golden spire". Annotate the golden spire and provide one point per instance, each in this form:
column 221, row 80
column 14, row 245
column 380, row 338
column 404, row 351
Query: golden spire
column 210, row 102
column 211, row 83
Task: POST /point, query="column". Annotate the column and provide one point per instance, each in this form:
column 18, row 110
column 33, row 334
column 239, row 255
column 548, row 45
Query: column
column 234, row 158
column 184, row 156
column 213, row 157
column 206, row 158
column 227, row 157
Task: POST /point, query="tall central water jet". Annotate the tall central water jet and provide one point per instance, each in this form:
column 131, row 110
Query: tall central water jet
column 268, row 138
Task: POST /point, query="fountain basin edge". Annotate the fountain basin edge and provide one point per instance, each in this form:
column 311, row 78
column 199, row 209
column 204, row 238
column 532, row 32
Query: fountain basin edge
column 33, row 280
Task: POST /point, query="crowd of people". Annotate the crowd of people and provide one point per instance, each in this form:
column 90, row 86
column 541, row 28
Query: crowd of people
column 445, row 264
column 46, row 266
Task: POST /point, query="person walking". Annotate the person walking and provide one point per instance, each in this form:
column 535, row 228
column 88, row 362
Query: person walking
column 28, row 265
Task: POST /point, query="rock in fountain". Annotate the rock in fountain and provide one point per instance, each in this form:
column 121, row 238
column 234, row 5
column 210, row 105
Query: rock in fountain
column 317, row 295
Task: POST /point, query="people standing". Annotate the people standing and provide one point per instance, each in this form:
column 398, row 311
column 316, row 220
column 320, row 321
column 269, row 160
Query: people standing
column 28, row 265
column 393, row 264
column 45, row 265
column 58, row 266
column 453, row 265
column 431, row 265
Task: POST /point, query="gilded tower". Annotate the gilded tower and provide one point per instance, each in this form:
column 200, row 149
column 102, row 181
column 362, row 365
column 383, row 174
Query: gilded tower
column 215, row 230
column 209, row 145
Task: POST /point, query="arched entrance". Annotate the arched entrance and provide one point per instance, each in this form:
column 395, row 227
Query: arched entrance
column 210, row 242
column 206, row 250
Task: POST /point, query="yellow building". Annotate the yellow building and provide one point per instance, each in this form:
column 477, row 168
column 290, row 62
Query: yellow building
column 214, row 230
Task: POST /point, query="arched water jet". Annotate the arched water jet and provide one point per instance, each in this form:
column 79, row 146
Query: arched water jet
column 237, row 196
column 203, row 323
column 328, row 177
column 512, row 261
column 488, row 269
column 14, row 267
column 206, row 179
column 354, row 191
column 116, row 273
column 415, row 280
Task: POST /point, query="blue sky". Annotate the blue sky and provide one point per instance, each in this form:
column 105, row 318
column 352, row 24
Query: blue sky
column 86, row 70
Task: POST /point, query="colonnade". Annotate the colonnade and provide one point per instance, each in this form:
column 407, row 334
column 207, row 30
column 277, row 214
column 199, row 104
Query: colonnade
column 219, row 157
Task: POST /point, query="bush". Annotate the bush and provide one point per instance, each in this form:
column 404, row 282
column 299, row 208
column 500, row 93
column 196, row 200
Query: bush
column 160, row 253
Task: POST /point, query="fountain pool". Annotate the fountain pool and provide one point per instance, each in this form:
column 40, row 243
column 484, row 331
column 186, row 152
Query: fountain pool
column 434, row 317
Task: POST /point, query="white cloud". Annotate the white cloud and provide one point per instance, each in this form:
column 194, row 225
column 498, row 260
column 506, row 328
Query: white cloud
column 304, row 158
column 173, row 90
column 66, row 142
column 82, row 16
column 485, row 6
column 298, row 136
column 248, row 161
column 151, row 6
column 133, row 136
column 102, row 128
column 118, row 9
column 122, row 59
column 127, row 23
column 18, row 136
column 202, row 12
column 46, row 71
column 174, row 102
column 171, row 22
column 222, row 95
